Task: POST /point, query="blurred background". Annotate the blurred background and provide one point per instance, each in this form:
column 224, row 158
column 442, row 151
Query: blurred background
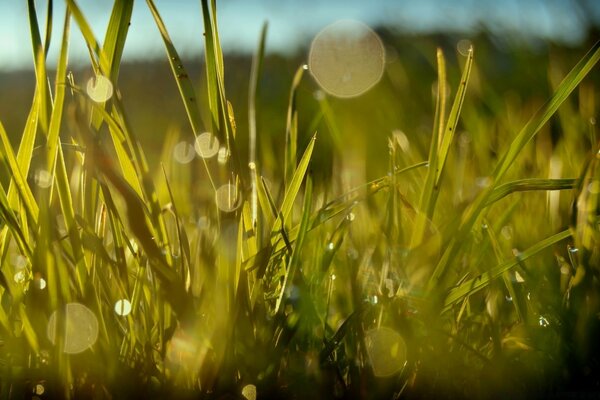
column 522, row 51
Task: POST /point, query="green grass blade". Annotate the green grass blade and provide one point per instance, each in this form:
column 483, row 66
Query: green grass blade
column 291, row 131
column 450, row 128
column 294, row 185
column 186, row 89
column 474, row 285
column 525, row 185
column 253, row 91
column 295, row 257
column 577, row 74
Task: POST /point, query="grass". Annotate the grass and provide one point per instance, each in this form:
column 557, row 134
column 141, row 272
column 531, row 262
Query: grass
column 457, row 272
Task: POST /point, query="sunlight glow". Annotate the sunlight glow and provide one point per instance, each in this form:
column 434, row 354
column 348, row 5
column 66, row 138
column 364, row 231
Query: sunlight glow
column 81, row 330
column 227, row 198
column 183, row 152
column 249, row 392
column 386, row 350
column 123, row 307
column 206, row 145
column 347, row 58
column 100, row 89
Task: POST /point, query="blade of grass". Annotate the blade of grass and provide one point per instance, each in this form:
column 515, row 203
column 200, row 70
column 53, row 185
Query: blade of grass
column 474, row 285
column 577, row 74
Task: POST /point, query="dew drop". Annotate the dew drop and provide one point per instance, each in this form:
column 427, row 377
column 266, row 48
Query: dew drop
column 330, row 246
column 464, row 46
column 543, row 321
column 350, row 217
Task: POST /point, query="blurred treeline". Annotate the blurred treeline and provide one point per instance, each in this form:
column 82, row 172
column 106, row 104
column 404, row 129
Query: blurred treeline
column 512, row 78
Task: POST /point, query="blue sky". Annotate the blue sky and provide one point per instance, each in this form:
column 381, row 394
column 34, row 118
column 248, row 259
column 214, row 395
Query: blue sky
column 293, row 23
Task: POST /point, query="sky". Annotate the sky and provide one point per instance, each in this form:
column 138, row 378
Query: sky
column 293, row 23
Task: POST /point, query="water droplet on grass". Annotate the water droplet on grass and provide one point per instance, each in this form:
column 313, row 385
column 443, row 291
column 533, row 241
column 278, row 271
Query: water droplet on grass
column 543, row 321
column 123, row 307
column 347, row 58
column 100, row 89
column 464, row 46
column 81, row 329
column 206, row 145
column 330, row 246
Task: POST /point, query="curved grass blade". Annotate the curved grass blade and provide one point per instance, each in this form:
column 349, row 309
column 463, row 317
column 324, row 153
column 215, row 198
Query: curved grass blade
column 474, row 285
column 525, row 185
column 571, row 81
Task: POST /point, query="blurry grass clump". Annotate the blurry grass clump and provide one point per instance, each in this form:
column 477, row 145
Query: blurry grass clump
column 459, row 258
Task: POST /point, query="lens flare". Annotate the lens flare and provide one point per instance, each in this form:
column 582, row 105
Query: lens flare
column 386, row 350
column 123, row 307
column 227, row 198
column 100, row 89
column 81, row 330
column 206, row 145
column 347, row 58
column 183, row 153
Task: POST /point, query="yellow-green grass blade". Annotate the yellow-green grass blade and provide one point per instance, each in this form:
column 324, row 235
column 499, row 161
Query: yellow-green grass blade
column 577, row 74
column 59, row 97
column 211, row 68
column 525, row 185
column 450, row 127
column 253, row 90
column 18, row 180
column 516, row 300
column 295, row 257
column 291, row 130
column 294, row 186
column 184, row 84
column 427, row 200
column 88, row 36
column 13, row 226
column 474, row 285
column 48, row 34
column 42, row 86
